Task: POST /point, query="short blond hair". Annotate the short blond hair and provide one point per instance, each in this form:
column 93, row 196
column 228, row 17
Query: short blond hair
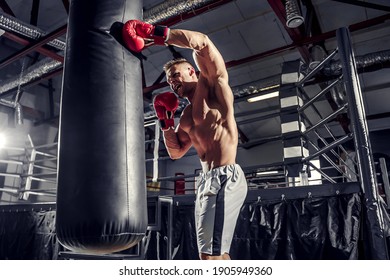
column 175, row 61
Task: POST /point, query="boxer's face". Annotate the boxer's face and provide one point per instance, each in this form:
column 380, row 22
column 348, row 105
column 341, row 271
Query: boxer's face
column 178, row 76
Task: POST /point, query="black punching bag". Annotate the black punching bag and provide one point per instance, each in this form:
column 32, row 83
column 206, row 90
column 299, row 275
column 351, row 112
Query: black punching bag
column 101, row 198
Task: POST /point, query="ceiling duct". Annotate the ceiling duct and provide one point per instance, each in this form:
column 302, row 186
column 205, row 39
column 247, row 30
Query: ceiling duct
column 158, row 13
column 34, row 72
column 293, row 14
column 45, row 66
column 171, row 8
column 161, row 12
column 256, row 87
column 11, row 24
column 368, row 62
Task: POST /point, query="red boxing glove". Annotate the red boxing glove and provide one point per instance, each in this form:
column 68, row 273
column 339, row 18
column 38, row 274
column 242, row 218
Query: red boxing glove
column 165, row 105
column 135, row 32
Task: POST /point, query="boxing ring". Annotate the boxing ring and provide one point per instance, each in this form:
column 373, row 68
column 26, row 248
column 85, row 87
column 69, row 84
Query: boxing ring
column 294, row 217
column 356, row 186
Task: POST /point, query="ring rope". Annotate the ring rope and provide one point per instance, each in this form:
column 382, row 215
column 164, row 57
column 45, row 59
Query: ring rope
column 155, row 151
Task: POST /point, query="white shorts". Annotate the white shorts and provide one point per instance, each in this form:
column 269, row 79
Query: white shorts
column 220, row 194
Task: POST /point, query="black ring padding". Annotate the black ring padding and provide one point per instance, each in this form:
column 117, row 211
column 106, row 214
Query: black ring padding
column 159, row 31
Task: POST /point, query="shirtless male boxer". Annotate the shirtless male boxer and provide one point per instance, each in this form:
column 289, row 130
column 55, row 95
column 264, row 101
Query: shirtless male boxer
column 207, row 123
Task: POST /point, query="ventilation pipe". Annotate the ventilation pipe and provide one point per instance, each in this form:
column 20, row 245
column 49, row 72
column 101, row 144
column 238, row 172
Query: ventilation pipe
column 45, row 66
column 34, row 72
column 171, row 8
column 18, row 110
column 158, row 13
column 12, row 24
column 18, row 114
column 256, row 87
column 293, row 14
column 375, row 60
column 372, row 61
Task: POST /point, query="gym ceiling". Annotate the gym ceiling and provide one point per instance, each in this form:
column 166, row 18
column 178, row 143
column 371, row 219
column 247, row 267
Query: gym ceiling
column 252, row 36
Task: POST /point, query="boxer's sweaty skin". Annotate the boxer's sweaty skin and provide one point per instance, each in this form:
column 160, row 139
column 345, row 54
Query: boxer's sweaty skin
column 207, row 123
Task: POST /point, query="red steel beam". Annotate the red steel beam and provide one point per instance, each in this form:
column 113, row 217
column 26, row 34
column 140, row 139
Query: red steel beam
column 26, row 42
column 305, row 41
column 46, row 76
column 311, row 40
column 34, row 46
column 169, row 22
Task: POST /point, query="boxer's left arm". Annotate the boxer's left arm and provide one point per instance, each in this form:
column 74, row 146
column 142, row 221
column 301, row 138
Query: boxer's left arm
column 177, row 142
column 210, row 62
column 137, row 35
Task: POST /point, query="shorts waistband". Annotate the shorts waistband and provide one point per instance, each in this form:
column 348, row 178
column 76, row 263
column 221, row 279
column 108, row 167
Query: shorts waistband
column 233, row 169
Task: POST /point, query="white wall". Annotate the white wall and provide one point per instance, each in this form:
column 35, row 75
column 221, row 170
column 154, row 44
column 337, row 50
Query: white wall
column 267, row 153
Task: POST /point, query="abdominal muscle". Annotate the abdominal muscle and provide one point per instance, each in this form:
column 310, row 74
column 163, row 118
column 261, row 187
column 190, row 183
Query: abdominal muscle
column 216, row 152
column 214, row 139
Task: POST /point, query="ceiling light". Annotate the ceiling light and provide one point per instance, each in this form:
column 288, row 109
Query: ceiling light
column 267, row 172
column 263, row 96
